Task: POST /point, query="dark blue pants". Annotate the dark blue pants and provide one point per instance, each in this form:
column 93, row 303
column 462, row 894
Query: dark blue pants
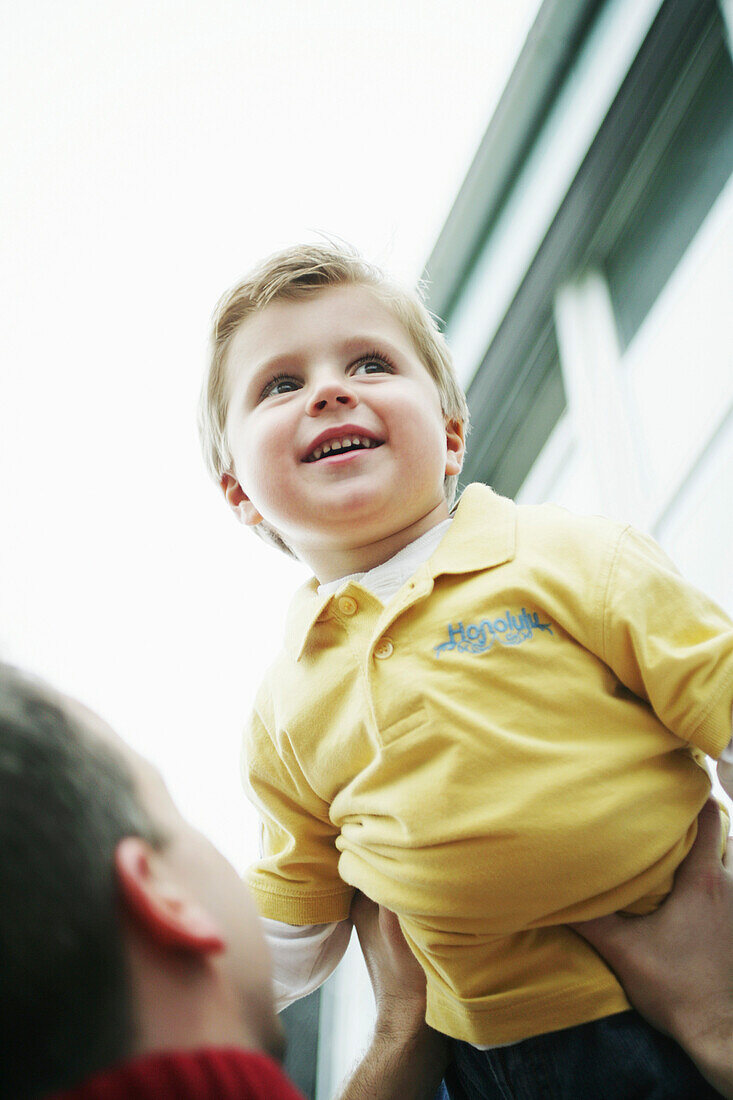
column 618, row 1058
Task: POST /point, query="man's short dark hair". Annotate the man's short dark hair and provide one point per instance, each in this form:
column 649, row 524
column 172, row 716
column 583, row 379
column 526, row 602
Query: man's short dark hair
column 66, row 799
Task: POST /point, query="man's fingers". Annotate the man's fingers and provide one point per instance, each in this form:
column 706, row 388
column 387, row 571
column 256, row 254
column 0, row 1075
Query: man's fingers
column 706, row 849
column 603, row 932
column 362, row 908
column 390, row 926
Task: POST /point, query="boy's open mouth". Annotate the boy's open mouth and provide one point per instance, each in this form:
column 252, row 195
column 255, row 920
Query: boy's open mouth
column 342, row 446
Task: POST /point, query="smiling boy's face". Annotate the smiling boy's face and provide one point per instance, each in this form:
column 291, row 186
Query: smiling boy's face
column 336, row 430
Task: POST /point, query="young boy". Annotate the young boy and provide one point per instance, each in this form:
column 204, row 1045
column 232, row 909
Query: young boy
column 493, row 723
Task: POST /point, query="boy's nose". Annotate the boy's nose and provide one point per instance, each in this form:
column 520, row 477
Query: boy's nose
column 331, row 394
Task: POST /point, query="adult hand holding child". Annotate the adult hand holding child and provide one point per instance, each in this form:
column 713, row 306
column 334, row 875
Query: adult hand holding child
column 676, row 965
column 406, row 1058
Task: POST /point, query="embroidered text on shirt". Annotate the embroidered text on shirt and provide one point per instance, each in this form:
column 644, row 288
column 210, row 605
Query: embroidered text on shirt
column 480, row 637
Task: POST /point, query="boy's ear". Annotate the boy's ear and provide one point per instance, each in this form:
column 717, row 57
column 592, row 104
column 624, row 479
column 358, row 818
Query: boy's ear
column 238, row 501
column 161, row 907
column 455, row 438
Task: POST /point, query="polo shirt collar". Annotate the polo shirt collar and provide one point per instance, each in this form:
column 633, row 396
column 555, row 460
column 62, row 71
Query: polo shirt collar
column 482, row 535
column 306, row 608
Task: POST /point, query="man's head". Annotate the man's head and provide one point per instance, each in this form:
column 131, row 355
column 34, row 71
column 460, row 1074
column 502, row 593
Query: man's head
column 313, row 316
column 121, row 929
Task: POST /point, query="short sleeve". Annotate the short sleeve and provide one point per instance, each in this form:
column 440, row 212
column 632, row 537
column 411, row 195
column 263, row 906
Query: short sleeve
column 296, row 879
column 669, row 643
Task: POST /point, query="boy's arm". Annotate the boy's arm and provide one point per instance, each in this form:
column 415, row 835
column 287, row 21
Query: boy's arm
column 676, row 965
column 405, row 1059
column 296, row 879
column 669, row 643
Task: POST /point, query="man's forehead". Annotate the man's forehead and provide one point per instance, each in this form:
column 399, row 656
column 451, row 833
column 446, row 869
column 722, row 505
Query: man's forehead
column 81, row 716
column 95, row 727
column 86, row 723
column 91, row 722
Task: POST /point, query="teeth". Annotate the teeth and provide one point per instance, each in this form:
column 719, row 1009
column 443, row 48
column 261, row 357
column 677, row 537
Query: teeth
column 335, row 445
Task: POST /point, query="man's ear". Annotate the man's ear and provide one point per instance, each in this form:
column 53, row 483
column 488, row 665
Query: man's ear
column 160, row 907
column 455, row 438
column 238, row 501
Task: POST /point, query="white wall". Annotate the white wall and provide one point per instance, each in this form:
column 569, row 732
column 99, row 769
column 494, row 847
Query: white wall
column 674, row 409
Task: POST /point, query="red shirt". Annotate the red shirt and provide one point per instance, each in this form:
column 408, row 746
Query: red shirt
column 211, row 1074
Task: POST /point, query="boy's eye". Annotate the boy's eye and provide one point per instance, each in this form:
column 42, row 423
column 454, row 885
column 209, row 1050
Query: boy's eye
column 373, row 364
column 281, row 383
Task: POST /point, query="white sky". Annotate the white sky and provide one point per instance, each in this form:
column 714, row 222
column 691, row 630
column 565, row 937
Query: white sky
column 152, row 151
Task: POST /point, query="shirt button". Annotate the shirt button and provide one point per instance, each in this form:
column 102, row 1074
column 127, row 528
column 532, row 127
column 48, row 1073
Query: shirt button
column 383, row 649
column 347, row 605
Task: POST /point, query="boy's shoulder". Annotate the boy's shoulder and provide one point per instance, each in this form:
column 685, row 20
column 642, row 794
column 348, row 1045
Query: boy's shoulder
column 547, row 546
column 590, row 553
column 562, row 529
column 548, row 525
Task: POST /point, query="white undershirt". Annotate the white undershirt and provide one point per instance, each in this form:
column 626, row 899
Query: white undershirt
column 304, row 956
column 384, row 581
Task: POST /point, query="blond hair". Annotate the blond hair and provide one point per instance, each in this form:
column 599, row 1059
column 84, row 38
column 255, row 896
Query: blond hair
column 292, row 275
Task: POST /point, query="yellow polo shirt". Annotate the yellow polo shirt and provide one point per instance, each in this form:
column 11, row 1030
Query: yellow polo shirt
column 513, row 742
